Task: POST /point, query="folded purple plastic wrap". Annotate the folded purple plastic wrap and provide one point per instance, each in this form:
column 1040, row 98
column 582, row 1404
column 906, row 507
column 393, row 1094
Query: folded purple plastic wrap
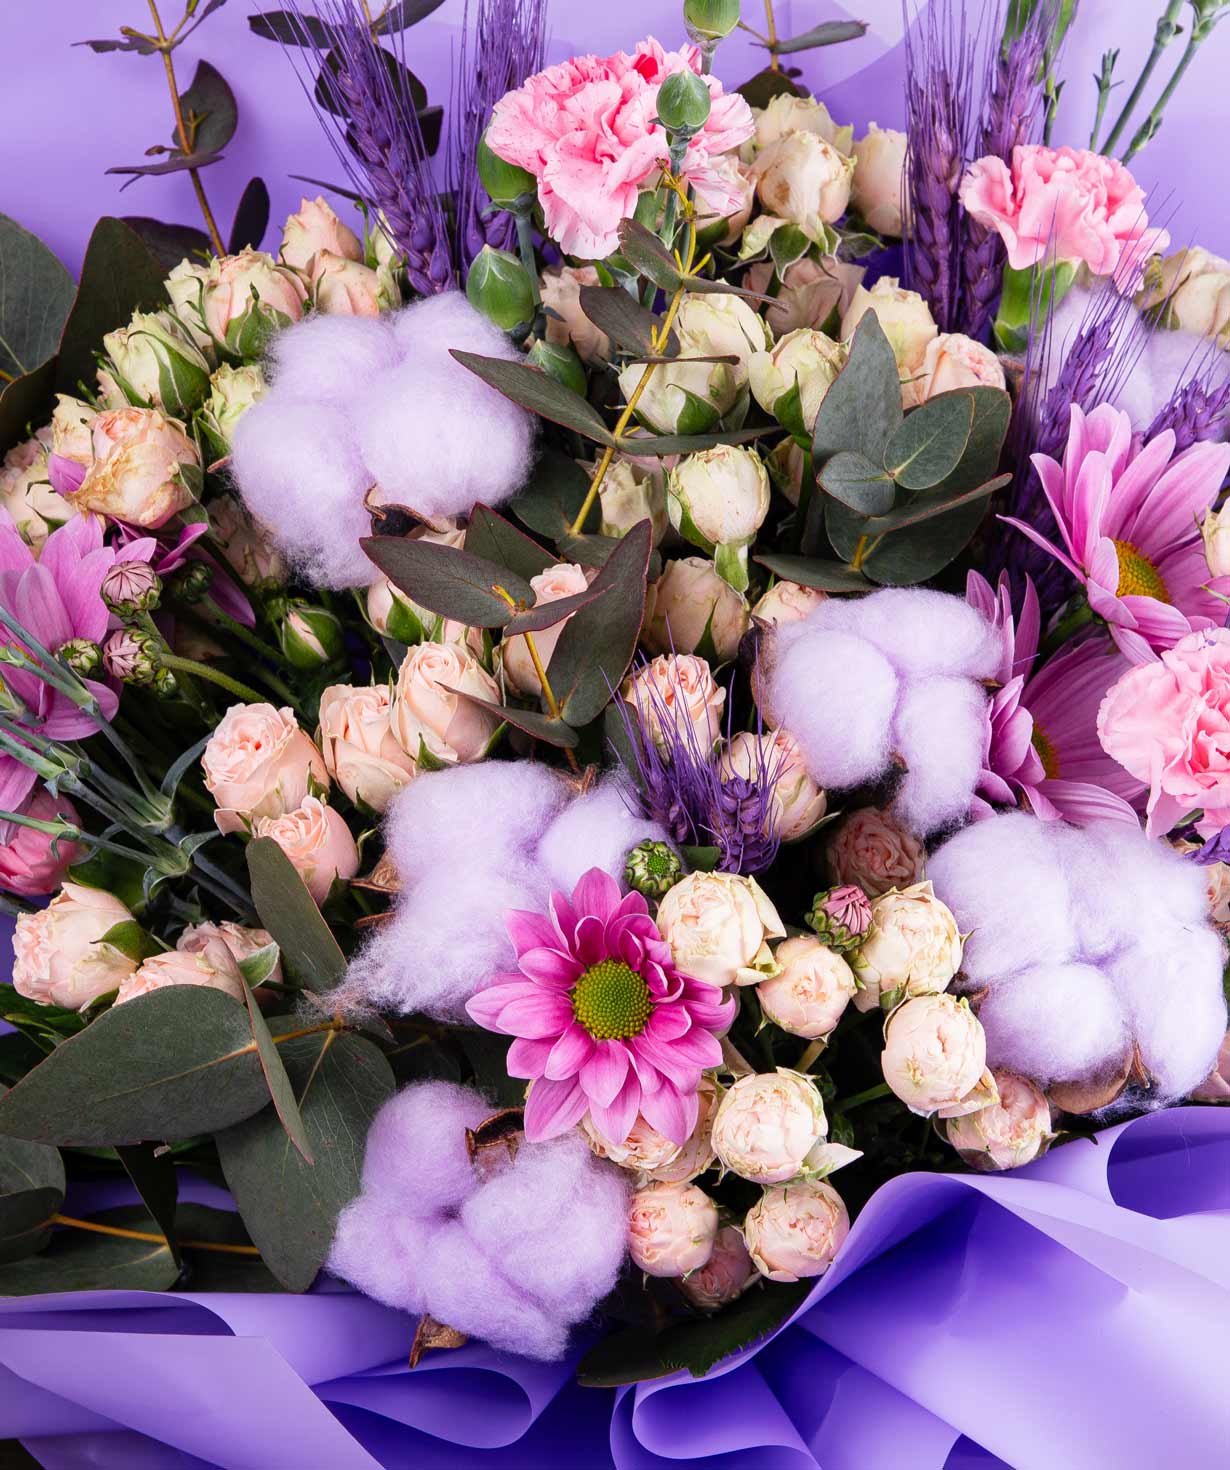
column 1071, row 1314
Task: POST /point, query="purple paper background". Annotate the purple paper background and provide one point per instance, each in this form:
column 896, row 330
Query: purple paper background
column 70, row 114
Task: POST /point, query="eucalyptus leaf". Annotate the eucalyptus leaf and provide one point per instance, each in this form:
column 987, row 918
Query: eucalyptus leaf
column 760, row 90
column 31, row 1191
column 199, row 1226
column 862, row 408
column 661, row 444
column 84, row 1260
column 449, row 581
column 291, row 28
column 642, row 249
column 119, row 276
column 405, row 13
column 251, row 218
column 209, row 111
column 25, row 403
column 174, row 163
column 153, row 1177
column 827, row 33
column 928, row 444
column 491, row 537
column 826, row 576
column 920, row 510
column 169, row 244
column 859, row 484
column 540, row 726
column 548, row 614
column 624, row 320
column 289, row 912
column 542, row 395
column 36, row 292
column 276, row 1079
column 554, row 494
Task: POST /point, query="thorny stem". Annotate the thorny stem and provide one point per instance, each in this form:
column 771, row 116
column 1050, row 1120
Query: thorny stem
column 1166, row 31
column 195, row 1245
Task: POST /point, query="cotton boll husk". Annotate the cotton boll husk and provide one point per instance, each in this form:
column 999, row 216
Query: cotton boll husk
column 329, row 359
column 1055, row 1023
column 918, row 630
column 596, row 830
column 297, row 467
column 1002, row 880
column 939, row 731
column 377, row 1249
column 416, row 1147
column 555, row 1220
column 1170, row 983
column 489, row 813
column 835, row 694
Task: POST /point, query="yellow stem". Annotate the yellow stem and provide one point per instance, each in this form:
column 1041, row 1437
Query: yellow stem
column 547, row 692
column 196, row 1245
column 771, row 26
column 6, row 377
column 860, row 551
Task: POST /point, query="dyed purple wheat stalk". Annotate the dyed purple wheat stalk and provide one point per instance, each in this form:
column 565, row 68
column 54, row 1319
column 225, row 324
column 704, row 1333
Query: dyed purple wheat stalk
column 508, row 40
column 1199, row 407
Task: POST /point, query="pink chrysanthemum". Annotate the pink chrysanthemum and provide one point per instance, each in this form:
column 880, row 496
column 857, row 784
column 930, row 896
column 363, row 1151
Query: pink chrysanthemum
column 1042, row 727
column 1128, row 514
column 605, row 1023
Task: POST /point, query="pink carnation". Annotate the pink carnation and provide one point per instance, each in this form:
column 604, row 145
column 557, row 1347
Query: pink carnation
column 1064, row 204
column 1168, row 723
column 588, row 131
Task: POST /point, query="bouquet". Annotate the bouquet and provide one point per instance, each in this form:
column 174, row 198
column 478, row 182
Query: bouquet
column 540, row 724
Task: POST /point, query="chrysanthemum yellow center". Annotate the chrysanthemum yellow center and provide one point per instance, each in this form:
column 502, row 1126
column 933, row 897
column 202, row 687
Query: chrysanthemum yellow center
column 611, row 1001
column 1046, row 753
column 1138, row 577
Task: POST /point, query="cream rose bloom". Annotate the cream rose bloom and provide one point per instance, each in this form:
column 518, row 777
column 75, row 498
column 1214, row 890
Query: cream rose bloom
column 231, row 281
column 344, row 287
column 804, row 180
column 634, row 490
column 358, row 747
column 787, row 602
column 259, row 763
column 873, row 852
column 935, row 1057
column 1007, row 1134
column 671, row 1228
column 796, row 1230
column 430, row 718
column 318, row 843
column 720, row 495
column 71, row 422
column 212, row 965
column 243, row 942
column 811, row 292
column 788, row 114
column 798, row 802
column 146, row 351
column 955, row 361
column 643, row 1151
column 680, row 689
column 724, row 1277
column 1191, row 290
column 315, row 228
column 912, row 948
column 140, row 467
column 185, row 286
column 688, row 599
column 879, row 170
column 767, row 1124
column 799, row 369
column 247, row 544
column 232, row 391
column 737, row 179
column 566, row 579
column 810, row 994
column 907, row 322
column 57, row 957
column 718, row 926
column 560, row 287
column 26, row 493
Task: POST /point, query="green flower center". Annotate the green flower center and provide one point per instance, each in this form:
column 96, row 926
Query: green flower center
column 1046, row 753
column 611, row 1001
column 1138, row 577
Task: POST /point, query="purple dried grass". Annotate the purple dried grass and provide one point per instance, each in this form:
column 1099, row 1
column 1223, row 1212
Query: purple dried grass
column 1199, row 407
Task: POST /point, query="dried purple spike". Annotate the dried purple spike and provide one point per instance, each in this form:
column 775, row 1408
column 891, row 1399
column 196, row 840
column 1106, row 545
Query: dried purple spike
column 507, row 44
column 1199, row 407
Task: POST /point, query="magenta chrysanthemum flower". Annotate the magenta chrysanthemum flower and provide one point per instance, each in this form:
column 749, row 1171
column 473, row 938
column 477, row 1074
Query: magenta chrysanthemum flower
column 1042, row 727
column 605, row 1023
column 1128, row 514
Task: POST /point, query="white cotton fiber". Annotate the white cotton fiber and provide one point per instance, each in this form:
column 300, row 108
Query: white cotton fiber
column 1054, row 1023
column 327, row 359
column 918, row 630
column 596, row 830
column 836, row 694
column 446, row 322
column 939, row 732
column 298, row 469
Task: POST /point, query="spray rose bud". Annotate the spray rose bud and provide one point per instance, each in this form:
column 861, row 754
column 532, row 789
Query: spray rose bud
column 131, row 587
column 737, row 183
column 499, row 286
column 247, row 296
column 144, row 468
column 767, row 1124
column 259, row 763
column 913, row 948
column 1190, row 291
column 246, row 544
column 907, row 322
column 679, row 684
column 841, row 917
column 812, row 293
column 643, row 1150
column 684, row 103
column 560, row 287
column 795, row 1232
column 358, row 747
column 82, row 656
column 935, row 1054
column 314, row 229
column 879, row 171
column 70, row 429
column 156, row 362
column 806, row 181
column 719, row 496
column 185, row 286
column 395, row 615
column 786, row 466
column 798, row 803
column 342, row 287
column 871, row 850
column 1215, row 532
column 565, row 579
column 58, row 956
column 791, row 380
column 652, row 868
column 692, row 604
column 232, row 391
column 696, row 1156
column 561, row 364
column 1014, row 1131
column 33, row 863
column 212, row 965
column 811, row 993
column 718, row 926
column 242, row 942
column 26, row 493
column 955, row 361
column 132, row 655
column 318, row 843
column 724, row 1277
column 506, row 184
column 788, row 114
column 634, row 490
column 310, row 636
column 431, row 721
column 710, row 20
column 671, row 1228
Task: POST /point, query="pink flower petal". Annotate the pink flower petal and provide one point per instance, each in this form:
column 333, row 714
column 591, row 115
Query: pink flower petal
column 552, row 1108
column 530, row 931
column 570, row 1053
column 672, row 1111
column 551, row 968
column 614, row 1121
column 604, row 1073
column 527, row 1058
column 596, row 893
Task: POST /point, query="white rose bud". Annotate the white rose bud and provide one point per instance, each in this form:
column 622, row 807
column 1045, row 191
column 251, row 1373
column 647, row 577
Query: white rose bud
column 907, row 322
column 155, row 360
column 1215, row 531
column 26, row 493
column 680, row 690
column 718, row 499
column 1190, row 290
column 313, row 229
column 811, row 993
column 144, row 468
column 953, row 361
column 935, row 1057
column 1007, row 1134
column 879, row 169
column 806, row 181
column 788, row 114
column 787, row 602
column 912, row 948
column 796, row 1230
column 718, row 926
column 791, row 380
column 786, row 465
column 812, row 293
column 247, row 296
column 560, row 288
column 634, row 490
column 185, row 286
column 553, row 585
column 767, row 1124
column 671, row 1228
column 70, row 429
column 232, row 391
column 798, row 802
column 688, row 600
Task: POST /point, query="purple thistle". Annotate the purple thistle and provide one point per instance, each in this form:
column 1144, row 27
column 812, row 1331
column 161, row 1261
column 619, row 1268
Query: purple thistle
column 508, row 41
column 372, row 122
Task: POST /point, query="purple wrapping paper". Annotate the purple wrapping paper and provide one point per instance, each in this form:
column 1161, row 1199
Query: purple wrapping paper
column 1067, row 1315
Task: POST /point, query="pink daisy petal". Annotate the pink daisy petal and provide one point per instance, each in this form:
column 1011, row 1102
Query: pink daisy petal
column 596, row 893
column 605, row 1072
column 552, row 1108
column 530, row 931
column 590, row 943
column 569, row 1054
column 672, row 1112
column 527, row 1058
column 551, row 968
column 487, row 1005
column 544, row 1013
column 615, row 1120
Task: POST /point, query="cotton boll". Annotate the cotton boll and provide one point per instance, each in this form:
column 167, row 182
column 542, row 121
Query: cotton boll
column 1170, row 983
column 1002, row 881
column 1054, row 1023
column 836, row 694
column 918, row 630
column 446, row 322
column 416, row 1147
column 1169, row 357
column 596, row 830
column 328, row 359
column 376, row 1247
column 940, row 732
column 296, row 466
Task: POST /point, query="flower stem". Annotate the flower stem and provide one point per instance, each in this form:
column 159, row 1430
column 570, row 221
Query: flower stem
column 196, row 1245
column 1105, row 82
column 1153, row 122
column 525, row 247
column 548, row 693
column 871, row 1094
column 214, row 676
column 771, row 35
column 1165, row 32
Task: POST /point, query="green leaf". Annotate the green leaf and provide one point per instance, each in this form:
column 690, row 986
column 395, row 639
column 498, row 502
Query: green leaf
column 289, row 912
column 548, row 614
column 130, row 939
column 118, row 277
column 542, row 395
column 862, row 408
column 153, row 1177
column 170, row 1064
column 45, row 1025
column 258, row 967
column 827, row 33
column 278, row 1083
column 82, row 1260
column 290, row 1207
column 597, row 644
column 786, row 245
column 251, row 218
column 496, row 540
column 540, row 726
column 642, row 249
column 169, row 244
column 209, row 110
column 455, row 583
column 31, row 1191
column 760, row 90
column 688, row 443
column 624, row 320
column 556, row 490
column 827, row 576
column 25, row 404
column 926, row 510
column 858, row 483
column 18, row 1054
column 36, row 292
column 930, row 441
